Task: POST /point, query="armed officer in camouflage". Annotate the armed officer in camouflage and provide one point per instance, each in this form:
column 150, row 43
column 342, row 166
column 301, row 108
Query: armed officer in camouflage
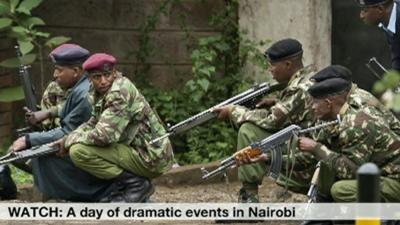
column 292, row 107
column 52, row 101
column 57, row 177
column 53, row 96
column 361, row 137
column 114, row 143
column 358, row 97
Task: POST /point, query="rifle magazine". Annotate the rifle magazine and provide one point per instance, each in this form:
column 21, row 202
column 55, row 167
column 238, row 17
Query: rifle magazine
column 276, row 162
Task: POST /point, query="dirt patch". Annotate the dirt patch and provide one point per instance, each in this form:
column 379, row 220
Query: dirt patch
column 171, row 188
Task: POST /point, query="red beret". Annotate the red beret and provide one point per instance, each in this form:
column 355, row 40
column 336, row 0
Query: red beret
column 99, row 62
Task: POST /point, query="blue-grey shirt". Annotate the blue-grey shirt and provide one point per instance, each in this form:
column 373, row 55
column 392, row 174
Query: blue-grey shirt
column 76, row 110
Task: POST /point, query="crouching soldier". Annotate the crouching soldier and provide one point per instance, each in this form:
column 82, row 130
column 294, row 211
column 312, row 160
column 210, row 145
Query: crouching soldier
column 114, row 143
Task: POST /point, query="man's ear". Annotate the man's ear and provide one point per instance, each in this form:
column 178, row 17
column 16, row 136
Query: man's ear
column 288, row 63
column 329, row 102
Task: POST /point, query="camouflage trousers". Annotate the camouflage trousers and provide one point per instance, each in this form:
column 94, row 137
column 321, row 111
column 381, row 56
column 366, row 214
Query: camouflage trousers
column 110, row 161
column 346, row 190
column 252, row 175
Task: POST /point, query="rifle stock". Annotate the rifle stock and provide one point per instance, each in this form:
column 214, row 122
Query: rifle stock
column 273, row 144
column 202, row 117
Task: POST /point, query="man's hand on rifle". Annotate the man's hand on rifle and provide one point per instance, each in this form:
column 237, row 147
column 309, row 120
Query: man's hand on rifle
column 35, row 118
column 224, row 112
column 266, row 103
column 19, row 144
column 61, row 145
column 307, row 144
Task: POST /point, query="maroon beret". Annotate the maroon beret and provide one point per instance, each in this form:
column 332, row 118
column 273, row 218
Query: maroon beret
column 99, row 62
column 69, row 54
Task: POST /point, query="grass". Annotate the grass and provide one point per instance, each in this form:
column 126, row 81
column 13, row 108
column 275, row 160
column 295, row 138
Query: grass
column 21, row 177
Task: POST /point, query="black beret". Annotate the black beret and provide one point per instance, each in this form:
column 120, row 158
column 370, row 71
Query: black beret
column 69, row 54
column 283, row 49
column 363, row 3
column 329, row 87
column 333, row 71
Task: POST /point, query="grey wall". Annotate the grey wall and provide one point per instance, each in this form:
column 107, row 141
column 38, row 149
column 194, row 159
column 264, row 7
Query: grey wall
column 113, row 26
column 309, row 21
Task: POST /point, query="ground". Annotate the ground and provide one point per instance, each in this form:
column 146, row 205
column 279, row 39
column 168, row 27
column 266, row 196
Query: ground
column 168, row 190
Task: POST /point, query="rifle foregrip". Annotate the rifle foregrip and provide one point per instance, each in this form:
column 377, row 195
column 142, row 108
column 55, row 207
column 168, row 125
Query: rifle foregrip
column 249, row 151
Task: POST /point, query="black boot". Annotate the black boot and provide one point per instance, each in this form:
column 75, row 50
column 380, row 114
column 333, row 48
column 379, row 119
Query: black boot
column 8, row 189
column 131, row 188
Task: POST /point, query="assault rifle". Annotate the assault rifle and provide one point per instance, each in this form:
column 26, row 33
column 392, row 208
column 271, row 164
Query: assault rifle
column 29, row 89
column 313, row 190
column 28, row 154
column 376, row 68
column 273, row 144
column 243, row 98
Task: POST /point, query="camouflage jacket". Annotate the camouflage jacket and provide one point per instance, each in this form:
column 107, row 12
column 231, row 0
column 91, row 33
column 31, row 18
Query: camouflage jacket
column 293, row 106
column 360, row 98
column 53, row 99
column 361, row 137
column 122, row 115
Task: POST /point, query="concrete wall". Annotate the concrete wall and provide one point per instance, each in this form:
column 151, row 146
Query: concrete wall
column 113, row 26
column 309, row 21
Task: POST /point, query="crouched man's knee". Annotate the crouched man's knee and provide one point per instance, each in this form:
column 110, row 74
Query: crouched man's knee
column 344, row 191
column 76, row 153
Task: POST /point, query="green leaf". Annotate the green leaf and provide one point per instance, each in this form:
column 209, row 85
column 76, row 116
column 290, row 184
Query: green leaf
column 378, row 87
column 4, row 7
column 25, row 46
column 5, row 22
column 10, row 63
column 27, row 5
column 19, row 30
column 15, row 62
column 396, row 102
column 55, row 41
column 30, row 22
column 41, row 34
column 204, row 84
column 13, row 5
column 11, row 94
column 28, row 59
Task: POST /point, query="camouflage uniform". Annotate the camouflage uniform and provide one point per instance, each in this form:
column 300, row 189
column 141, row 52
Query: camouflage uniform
column 116, row 137
column 361, row 98
column 53, row 98
column 361, row 137
column 293, row 107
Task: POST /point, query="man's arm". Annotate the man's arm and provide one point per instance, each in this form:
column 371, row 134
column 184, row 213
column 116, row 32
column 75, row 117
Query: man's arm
column 357, row 148
column 277, row 117
column 78, row 115
column 119, row 109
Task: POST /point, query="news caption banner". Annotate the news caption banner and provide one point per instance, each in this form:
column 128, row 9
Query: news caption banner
column 198, row 211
